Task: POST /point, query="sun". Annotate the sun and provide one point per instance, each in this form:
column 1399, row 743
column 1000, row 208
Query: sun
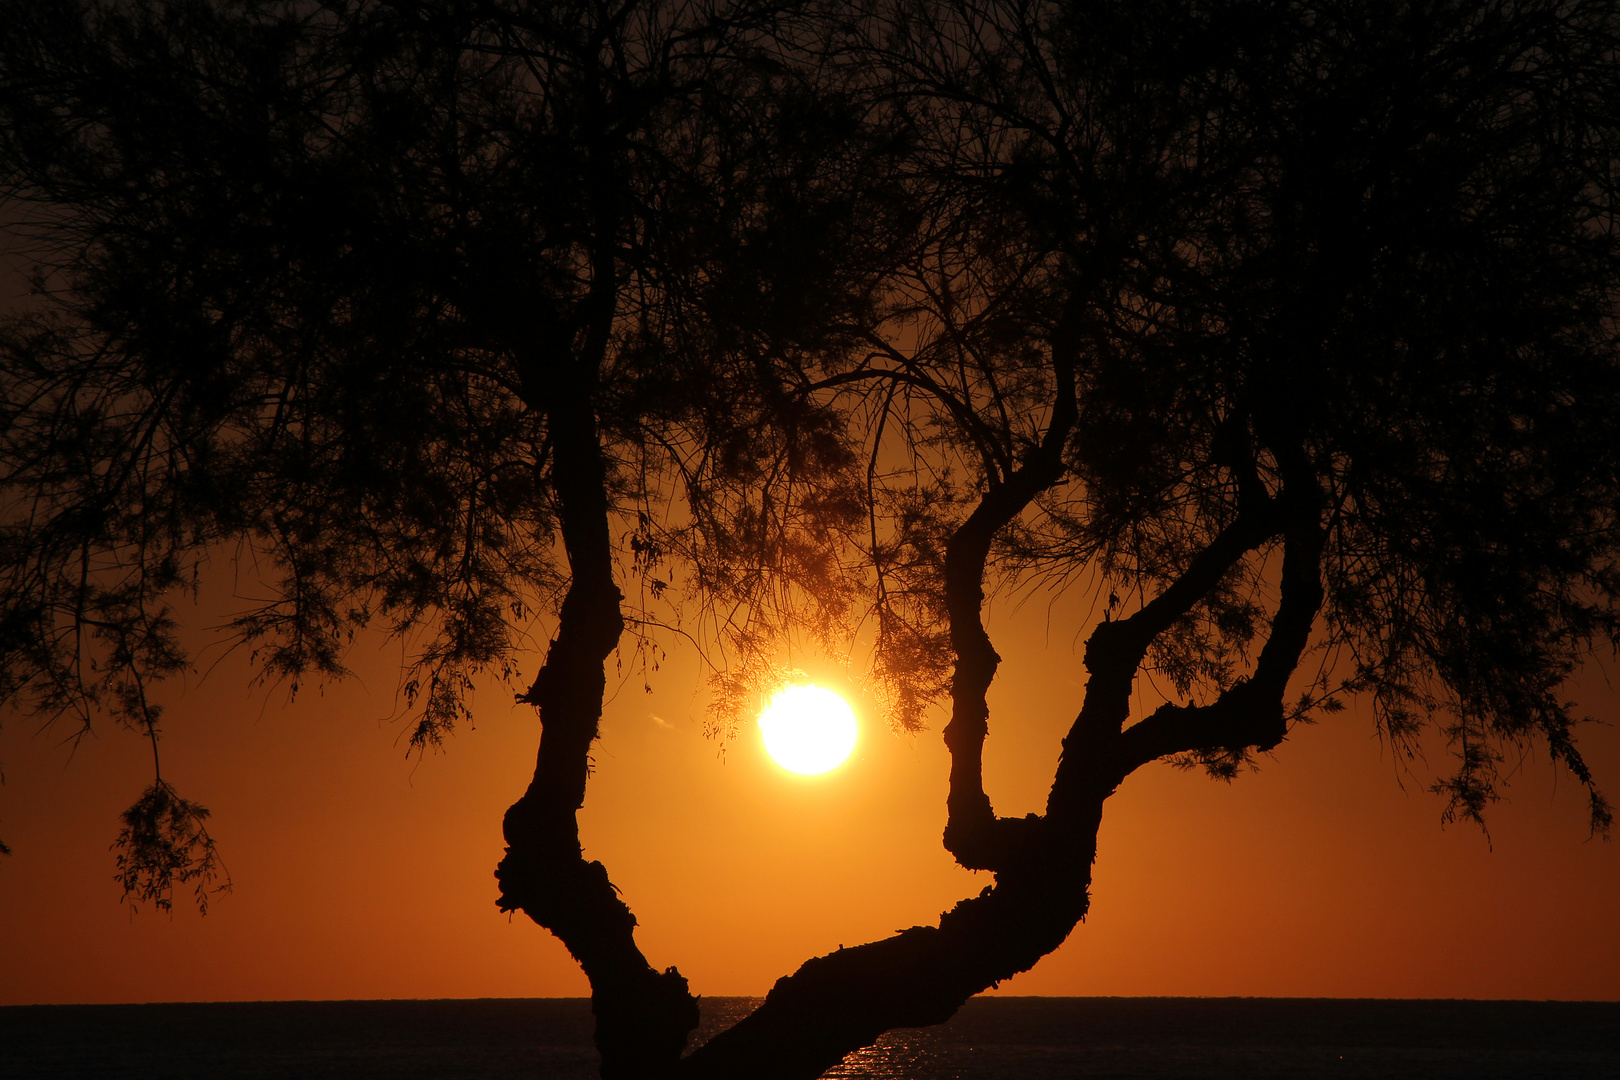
column 808, row 729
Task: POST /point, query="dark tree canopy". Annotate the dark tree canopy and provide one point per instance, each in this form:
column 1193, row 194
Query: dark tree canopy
column 1288, row 328
column 320, row 276
column 1338, row 263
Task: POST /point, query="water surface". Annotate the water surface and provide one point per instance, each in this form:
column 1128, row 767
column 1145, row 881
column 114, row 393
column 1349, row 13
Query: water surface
column 999, row 1038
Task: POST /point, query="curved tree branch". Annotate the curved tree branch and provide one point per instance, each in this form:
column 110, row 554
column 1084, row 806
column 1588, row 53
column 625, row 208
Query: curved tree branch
column 978, row 839
column 1250, row 713
column 1090, row 762
column 990, row 458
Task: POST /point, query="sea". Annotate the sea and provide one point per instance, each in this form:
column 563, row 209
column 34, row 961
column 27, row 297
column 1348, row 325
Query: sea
column 991, row 1038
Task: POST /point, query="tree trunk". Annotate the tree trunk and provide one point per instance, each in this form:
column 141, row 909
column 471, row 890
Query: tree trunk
column 843, row 1001
column 643, row 1017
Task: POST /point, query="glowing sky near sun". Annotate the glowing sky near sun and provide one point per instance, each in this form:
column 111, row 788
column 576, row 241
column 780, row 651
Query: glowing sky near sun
column 362, row 874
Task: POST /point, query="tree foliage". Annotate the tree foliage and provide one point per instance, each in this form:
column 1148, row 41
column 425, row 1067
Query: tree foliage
column 313, row 278
column 164, row 841
column 1372, row 250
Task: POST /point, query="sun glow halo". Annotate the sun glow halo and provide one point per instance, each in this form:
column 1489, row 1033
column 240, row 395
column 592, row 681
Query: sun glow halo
column 808, row 729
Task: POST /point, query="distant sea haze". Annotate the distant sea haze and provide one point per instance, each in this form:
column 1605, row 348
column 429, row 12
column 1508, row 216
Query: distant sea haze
column 999, row 1038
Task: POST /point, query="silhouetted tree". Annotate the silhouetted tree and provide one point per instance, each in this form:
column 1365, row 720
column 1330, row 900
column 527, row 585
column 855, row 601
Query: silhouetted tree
column 1293, row 326
column 1288, row 327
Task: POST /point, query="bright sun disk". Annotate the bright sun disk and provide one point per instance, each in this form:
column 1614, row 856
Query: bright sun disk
column 808, row 729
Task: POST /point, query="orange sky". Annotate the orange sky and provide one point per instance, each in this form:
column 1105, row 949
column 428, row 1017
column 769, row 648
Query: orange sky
column 360, row 874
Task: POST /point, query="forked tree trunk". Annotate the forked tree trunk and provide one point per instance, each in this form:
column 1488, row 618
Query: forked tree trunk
column 846, row 1000
column 843, row 1001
